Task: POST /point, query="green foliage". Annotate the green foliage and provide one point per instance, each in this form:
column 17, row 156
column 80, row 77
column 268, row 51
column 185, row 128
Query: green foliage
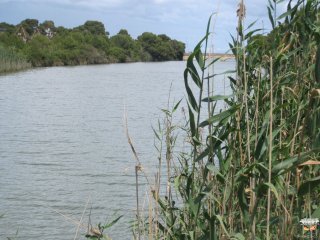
column 10, row 60
column 30, row 25
column 251, row 170
column 9, row 40
column 47, row 28
column 126, row 46
column 123, row 32
column 117, row 54
column 98, row 233
column 39, row 51
column 5, row 27
column 93, row 27
column 161, row 47
column 45, row 44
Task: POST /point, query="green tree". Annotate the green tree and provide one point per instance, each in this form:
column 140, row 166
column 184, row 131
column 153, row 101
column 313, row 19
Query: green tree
column 123, row 32
column 47, row 27
column 93, row 27
column 40, row 52
column 30, row 25
column 161, row 47
column 129, row 46
column 122, row 40
column 47, row 45
column 117, row 54
column 8, row 28
column 11, row 40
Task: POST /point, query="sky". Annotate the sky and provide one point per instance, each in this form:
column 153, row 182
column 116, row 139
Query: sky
column 184, row 20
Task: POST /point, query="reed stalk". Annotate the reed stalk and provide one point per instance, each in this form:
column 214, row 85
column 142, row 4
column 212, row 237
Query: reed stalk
column 11, row 61
column 239, row 179
column 270, row 148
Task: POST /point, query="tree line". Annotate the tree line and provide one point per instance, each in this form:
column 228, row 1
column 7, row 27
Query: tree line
column 44, row 44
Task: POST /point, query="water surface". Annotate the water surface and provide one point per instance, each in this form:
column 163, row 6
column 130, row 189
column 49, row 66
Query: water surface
column 62, row 142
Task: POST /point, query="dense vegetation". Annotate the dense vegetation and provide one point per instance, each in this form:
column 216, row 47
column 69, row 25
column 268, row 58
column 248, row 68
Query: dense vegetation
column 252, row 169
column 44, row 44
column 10, row 60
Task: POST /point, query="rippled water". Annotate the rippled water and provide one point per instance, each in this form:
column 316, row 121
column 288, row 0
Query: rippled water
column 62, row 141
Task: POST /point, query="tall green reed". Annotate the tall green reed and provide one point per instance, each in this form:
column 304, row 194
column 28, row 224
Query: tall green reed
column 11, row 61
column 252, row 169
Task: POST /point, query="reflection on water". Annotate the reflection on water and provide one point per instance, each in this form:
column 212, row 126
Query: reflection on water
column 62, row 142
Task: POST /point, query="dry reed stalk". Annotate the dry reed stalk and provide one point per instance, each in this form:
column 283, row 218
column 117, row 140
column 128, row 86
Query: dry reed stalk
column 156, row 209
column 84, row 210
column 137, row 199
column 168, row 125
column 231, row 218
column 310, row 162
column 292, row 152
column 270, row 149
column 248, row 132
column 315, row 93
column 296, row 133
column 238, row 119
column 241, row 15
column 286, row 216
column 255, row 145
column 156, row 191
column 257, row 110
column 138, row 168
column 70, row 219
column 150, row 215
column 168, row 156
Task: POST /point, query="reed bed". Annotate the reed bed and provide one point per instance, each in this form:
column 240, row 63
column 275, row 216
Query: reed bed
column 251, row 170
column 10, row 61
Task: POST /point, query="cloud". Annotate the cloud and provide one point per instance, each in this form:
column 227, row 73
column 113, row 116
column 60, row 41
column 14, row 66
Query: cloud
column 182, row 19
column 86, row 3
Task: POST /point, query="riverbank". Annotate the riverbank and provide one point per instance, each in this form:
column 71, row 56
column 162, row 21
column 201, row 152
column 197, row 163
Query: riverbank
column 45, row 45
column 222, row 56
column 16, row 66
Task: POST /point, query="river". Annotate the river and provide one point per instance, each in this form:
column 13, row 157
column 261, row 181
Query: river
column 62, row 142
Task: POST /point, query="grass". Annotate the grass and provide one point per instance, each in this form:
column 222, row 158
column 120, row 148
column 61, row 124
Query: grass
column 11, row 61
column 250, row 171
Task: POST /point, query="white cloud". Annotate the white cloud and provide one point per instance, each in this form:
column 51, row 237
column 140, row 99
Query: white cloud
column 185, row 19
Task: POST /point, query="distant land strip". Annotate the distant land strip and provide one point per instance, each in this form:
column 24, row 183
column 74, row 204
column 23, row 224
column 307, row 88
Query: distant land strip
column 223, row 56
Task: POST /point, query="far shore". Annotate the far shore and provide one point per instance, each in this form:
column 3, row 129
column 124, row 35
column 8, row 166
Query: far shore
column 223, row 56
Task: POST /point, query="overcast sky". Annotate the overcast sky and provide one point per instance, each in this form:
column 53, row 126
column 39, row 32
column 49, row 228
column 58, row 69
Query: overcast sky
column 184, row 20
